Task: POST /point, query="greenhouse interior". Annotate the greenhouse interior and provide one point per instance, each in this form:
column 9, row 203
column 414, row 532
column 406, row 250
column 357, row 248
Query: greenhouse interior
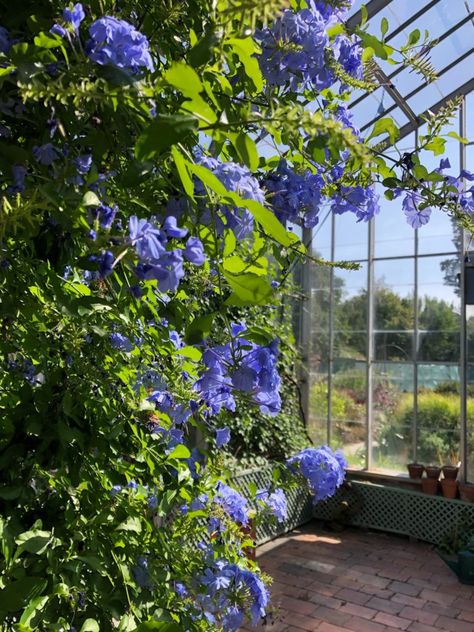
column 237, row 316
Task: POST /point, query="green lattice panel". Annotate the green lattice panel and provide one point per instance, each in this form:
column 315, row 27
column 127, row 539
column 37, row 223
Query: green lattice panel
column 403, row 511
column 300, row 505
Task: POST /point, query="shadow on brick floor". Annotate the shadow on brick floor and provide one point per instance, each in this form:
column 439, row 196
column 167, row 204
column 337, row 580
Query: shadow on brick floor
column 359, row 581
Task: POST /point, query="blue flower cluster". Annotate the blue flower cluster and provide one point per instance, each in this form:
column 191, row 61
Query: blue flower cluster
column 414, row 206
column 114, row 42
column 233, row 503
column 295, row 197
column 238, row 179
column 323, row 469
column 156, row 262
column 225, row 584
column 5, row 41
column 362, row 201
column 274, row 502
column 242, row 366
column 293, row 51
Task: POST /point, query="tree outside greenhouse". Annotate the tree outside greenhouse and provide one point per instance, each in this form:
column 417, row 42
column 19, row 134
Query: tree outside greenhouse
column 158, row 161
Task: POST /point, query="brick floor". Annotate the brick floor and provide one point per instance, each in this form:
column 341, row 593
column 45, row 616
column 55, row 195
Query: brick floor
column 359, row 581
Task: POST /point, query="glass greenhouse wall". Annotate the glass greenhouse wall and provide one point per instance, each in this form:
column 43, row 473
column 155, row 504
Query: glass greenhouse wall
column 389, row 347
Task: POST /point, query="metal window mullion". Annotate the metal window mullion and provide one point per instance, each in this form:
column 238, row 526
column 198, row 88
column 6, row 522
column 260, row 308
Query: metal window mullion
column 415, row 355
column 370, row 344
column 305, row 337
column 463, row 332
column 331, row 330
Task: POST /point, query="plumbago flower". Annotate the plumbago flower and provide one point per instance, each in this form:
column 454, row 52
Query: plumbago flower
column 72, row 19
column 238, row 179
column 323, row 469
column 294, row 48
column 275, row 503
column 117, row 43
column 295, row 197
column 156, row 262
column 240, row 366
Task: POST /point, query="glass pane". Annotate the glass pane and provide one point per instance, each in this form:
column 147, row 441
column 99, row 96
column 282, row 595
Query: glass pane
column 348, row 410
column 393, row 235
column 351, row 238
column 394, row 309
column 438, row 415
column 392, row 395
column 322, row 236
column 350, row 299
column 438, row 309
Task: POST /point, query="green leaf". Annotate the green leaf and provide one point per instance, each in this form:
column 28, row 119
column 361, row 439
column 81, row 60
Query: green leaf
column 166, row 130
column 181, row 167
column 209, row 179
column 246, row 149
column 90, row 625
column 34, row 541
column 245, row 50
column 199, row 328
column 436, row 145
column 248, row 289
column 385, row 126
column 414, row 37
column 131, row 524
column 201, row 52
column 179, row 452
column 363, row 15
column 37, row 604
column 192, row 353
column 184, row 78
column 45, row 40
column 20, row 592
column 90, row 199
column 267, row 220
column 457, row 137
column 384, row 26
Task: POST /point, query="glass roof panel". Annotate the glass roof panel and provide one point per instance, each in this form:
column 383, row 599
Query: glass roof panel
column 440, row 17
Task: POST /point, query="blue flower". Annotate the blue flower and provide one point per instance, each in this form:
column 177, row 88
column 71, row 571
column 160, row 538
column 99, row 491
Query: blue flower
column 222, row 436
column 74, row 16
column 323, row 469
column 171, row 228
column 141, row 573
column 295, row 197
column 106, row 262
column 348, row 53
column 120, row 342
column 293, row 51
column 233, row 503
column 83, row 163
column 117, row 43
column 5, row 41
column 275, row 503
column 176, row 339
column 194, row 251
column 106, row 215
column 362, row 201
column 18, row 179
column 45, row 154
column 147, row 239
column 412, row 207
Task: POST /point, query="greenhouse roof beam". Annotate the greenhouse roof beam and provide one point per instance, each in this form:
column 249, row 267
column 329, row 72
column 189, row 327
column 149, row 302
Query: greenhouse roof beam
column 372, row 7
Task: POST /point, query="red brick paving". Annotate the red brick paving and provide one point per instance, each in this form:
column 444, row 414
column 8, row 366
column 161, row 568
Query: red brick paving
column 358, row 581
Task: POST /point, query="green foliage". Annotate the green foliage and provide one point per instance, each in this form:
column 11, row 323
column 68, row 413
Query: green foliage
column 438, row 422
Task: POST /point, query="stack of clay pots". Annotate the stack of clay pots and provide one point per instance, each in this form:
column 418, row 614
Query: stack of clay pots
column 431, row 483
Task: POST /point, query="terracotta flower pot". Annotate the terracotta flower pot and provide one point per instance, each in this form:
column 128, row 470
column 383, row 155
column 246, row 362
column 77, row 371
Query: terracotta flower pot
column 432, row 471
column 449, row 487
column 450, row 472
column 466, row 492
column 429, row 486
column 415, row 470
